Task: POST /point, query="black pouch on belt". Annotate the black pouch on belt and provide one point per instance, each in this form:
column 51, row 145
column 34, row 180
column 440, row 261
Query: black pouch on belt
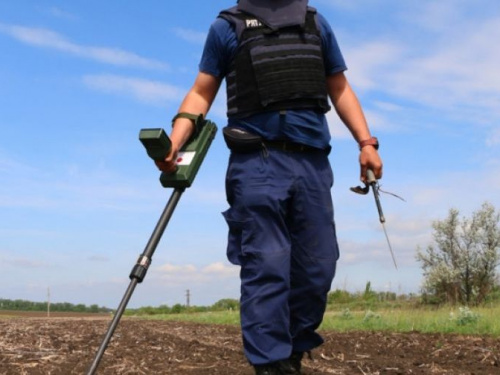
column 239, row 140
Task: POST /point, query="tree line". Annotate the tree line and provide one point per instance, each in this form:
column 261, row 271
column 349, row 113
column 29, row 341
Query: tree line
column 23, row 305
column 225, row 304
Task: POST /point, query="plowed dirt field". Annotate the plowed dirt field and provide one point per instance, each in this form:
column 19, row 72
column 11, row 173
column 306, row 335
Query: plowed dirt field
column 64, row 345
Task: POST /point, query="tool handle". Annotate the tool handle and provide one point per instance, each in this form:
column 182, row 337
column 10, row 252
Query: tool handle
column 156, row 142
column 370, row 177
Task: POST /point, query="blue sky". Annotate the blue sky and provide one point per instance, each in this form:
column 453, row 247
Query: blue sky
column 79, row 198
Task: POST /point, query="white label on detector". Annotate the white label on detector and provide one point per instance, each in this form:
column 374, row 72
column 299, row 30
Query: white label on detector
column 186, row 157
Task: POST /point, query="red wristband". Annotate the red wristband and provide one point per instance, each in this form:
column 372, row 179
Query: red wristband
column 373, row 141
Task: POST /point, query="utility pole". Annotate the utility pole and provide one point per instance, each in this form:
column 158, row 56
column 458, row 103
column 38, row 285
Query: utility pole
column 48, row 302
column 188, row 295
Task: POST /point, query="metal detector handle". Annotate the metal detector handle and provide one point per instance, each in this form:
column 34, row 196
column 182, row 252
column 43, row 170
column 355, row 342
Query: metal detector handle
column 156, row 142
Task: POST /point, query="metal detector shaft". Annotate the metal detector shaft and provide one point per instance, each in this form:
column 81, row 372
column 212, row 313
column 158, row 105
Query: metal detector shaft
column 138, row 273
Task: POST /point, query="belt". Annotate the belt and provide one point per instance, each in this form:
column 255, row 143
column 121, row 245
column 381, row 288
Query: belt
column 290, row 146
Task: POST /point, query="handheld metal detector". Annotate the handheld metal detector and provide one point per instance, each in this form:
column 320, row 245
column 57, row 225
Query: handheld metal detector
column 191, row 156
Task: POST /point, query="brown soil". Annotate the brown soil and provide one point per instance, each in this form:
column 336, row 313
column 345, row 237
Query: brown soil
column 67, row 345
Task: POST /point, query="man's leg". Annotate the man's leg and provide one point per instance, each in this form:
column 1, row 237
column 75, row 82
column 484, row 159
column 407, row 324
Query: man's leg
column 314, row 250
column 257, row 190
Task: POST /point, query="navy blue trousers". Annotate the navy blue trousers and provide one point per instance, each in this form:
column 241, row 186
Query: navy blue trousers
column 282, row 234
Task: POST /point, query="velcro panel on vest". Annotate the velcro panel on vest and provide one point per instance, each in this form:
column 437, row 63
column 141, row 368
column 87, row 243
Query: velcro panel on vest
column 288, row 70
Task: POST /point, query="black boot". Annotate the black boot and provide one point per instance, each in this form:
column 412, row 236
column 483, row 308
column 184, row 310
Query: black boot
column 296, row 360
column 287, row 367
column 284, row 367
column 266, row 370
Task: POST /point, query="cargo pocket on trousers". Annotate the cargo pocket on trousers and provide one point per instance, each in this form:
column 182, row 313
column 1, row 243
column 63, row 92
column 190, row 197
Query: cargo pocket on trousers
column 240, row 235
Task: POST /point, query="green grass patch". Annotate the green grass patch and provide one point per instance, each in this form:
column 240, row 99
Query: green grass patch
column 474, row 321
column 209, row 317
column 465, row 321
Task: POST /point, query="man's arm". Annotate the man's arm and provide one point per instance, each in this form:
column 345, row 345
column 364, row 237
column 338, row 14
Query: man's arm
column 350, row 112
column 198, row 100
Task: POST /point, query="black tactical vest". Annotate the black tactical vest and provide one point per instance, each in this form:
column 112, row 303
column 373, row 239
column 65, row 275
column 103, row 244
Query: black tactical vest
column 275, row 68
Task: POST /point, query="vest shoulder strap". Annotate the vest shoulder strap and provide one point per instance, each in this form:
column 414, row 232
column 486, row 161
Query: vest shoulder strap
column 242, row 21
column 235, row 18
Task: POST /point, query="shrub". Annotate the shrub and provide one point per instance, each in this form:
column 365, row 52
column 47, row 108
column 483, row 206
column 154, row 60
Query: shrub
column 465, row 317
column 346, row 314
column 370, row 315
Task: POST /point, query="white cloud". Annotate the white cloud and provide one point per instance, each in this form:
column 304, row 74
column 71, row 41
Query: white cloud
column 172, row 269
column 220, row 269
column 190, row 36
column 8, row 165
column 367, row 60
column 23, row 263
column 148, row 91
column 98, row 258
column 428, row 62
column 435, row 16
column 196, row 275
column 337, row 129
column 461, row 71
column 203, row 194
column 45, row 38
column 342, row 4
column 494, row 137
column 376, row 119
column 61, row 13
column 68, row 186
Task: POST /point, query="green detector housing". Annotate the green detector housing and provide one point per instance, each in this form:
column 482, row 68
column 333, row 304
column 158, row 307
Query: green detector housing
column 190, row 157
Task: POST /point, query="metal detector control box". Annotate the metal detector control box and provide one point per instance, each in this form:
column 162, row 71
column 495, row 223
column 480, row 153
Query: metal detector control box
column 190, row 157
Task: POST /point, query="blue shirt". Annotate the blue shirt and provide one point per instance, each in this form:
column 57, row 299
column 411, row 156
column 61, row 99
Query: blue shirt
column 302, row 126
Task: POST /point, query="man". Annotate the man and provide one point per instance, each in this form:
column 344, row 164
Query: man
column 281, row 63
